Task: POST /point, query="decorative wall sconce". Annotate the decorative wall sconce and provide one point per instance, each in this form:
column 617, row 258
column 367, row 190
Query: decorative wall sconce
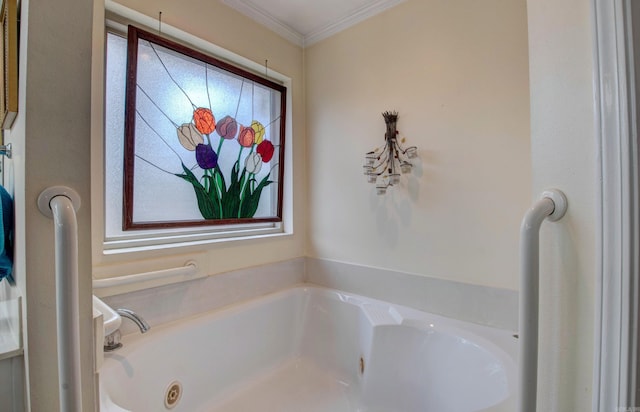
column 384, row 165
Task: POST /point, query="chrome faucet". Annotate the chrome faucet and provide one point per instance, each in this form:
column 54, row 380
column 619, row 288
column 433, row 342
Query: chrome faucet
column 112, row 341
column 137, row 319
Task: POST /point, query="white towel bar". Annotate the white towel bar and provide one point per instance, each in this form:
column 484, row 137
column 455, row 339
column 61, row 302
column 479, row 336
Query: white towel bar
column 552, row 206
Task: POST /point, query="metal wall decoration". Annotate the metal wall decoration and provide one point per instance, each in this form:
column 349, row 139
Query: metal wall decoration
column 203, row 131
column 384, row 165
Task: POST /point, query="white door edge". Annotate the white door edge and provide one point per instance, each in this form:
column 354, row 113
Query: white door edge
column 616, row 291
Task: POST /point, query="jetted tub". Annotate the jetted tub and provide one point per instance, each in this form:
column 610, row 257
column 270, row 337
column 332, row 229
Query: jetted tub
column 309, row 349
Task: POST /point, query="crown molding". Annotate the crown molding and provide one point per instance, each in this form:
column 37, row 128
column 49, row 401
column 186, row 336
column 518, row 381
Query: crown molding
column 263, row 17
column 349, row 20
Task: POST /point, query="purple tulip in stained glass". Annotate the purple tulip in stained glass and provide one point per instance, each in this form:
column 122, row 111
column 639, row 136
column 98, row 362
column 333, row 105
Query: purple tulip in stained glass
column 206, row 156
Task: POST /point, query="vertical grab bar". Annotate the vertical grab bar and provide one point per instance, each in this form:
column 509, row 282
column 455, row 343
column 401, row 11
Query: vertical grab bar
column 551, row 206
column 61, row 204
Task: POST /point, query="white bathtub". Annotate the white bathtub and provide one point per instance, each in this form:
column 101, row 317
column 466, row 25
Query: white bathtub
column 310, row 349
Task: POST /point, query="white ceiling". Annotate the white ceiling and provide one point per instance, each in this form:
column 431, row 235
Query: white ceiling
column 305, row 22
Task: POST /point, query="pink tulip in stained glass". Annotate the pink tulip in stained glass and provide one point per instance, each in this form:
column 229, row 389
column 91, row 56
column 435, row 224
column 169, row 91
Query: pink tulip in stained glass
column 246, row 136
column 227, row 127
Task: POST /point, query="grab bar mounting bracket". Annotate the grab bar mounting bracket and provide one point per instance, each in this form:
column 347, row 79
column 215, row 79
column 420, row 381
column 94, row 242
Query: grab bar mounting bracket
column 559, row 201
column 44, row 199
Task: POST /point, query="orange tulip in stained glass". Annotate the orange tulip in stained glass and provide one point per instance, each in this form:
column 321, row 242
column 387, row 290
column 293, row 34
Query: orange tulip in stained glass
column 204, row 120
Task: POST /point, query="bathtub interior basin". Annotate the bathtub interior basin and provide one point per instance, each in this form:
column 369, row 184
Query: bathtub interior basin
column 309, row 349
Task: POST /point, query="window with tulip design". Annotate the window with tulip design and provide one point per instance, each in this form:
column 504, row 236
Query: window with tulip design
column 202, row 132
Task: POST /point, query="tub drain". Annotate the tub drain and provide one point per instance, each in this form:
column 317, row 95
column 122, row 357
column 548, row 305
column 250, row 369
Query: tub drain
column 172, row 395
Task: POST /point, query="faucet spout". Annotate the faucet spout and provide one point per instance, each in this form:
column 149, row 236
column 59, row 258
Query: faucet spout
column 112, row 341
column 137, row 319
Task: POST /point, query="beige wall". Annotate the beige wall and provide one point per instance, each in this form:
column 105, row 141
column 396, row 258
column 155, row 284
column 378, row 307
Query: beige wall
column 457, row 72
column 224, row 27
column 50, row 139
column 565, row 155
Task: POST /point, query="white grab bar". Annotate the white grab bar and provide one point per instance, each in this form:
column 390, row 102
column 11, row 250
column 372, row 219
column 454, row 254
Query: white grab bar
column 61, row 204
column 189, row 269
column 551, row 206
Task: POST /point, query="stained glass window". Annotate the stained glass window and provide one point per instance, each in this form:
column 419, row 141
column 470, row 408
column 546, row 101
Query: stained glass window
column 204, row 140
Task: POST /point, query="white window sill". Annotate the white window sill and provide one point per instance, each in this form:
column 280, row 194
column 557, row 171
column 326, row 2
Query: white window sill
column 118, row 247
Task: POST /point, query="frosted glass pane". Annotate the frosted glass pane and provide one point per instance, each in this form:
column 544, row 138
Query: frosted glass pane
column 116, row 62
column 171, row 87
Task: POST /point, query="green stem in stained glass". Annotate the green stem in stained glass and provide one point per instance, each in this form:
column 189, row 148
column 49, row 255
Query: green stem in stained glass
column 239, row 154
column 206, row 181
column 220, row 146
column 251, row 175
column 219, row 189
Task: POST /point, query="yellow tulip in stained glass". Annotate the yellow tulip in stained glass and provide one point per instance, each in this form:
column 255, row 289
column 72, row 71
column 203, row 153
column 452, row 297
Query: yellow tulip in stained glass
column 259, row 129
